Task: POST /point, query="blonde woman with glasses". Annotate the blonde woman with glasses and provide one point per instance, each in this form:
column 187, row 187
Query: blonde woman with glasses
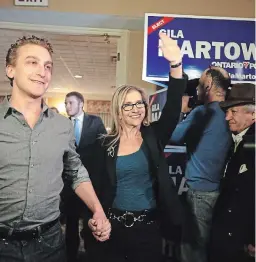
column 133, row 182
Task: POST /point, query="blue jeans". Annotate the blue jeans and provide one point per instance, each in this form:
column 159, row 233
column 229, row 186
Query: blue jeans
column 195, row 236
column 50, row 247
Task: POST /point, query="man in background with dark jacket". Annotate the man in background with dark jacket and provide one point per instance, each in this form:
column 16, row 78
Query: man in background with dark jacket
column 233, row 229
column 87, row 129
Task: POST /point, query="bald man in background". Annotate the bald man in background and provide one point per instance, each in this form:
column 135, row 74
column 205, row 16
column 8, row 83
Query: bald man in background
column 208, row 140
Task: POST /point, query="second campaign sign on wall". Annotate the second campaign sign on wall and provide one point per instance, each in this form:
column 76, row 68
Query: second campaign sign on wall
column 204, row 41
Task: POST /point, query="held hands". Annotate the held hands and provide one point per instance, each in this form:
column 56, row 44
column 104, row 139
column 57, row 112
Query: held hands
column 170, row 49
column 100, row 226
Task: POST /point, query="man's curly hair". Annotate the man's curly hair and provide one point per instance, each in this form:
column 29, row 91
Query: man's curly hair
column 34, row 40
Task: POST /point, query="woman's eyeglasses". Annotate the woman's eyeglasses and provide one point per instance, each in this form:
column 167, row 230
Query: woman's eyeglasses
column 129, row 107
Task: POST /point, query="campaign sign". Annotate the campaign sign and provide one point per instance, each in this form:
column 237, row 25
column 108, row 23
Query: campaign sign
column 156, row 104
column 204, row 41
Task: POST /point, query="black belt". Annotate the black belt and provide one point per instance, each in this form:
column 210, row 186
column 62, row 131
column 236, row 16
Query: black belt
column 8, row 233
column 129, row 218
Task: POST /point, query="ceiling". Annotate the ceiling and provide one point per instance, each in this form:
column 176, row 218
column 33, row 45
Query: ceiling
column 92, row 56
column 71, row 19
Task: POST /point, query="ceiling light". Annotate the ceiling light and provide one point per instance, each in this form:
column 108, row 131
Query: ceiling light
column 78, row 76
column 56, row 88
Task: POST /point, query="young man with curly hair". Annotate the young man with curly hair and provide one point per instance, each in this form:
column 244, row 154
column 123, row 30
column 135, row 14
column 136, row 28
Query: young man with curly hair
column 37, row 147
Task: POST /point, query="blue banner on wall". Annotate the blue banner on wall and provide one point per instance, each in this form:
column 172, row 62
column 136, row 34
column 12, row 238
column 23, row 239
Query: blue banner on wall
column 156, row 103
column 204, row 41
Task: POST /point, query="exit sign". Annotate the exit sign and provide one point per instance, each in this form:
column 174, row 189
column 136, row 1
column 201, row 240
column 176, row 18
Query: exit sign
column 31, row 2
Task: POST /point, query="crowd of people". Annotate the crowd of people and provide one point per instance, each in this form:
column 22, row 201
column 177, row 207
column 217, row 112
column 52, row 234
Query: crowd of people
column 118, row 182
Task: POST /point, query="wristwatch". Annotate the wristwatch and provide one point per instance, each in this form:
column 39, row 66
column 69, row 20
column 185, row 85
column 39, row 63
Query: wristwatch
column 176, row 65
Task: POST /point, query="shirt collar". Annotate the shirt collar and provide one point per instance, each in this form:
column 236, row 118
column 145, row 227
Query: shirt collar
column 45, row 109
column 239, row 137
column 7, row 108
column 80, row 117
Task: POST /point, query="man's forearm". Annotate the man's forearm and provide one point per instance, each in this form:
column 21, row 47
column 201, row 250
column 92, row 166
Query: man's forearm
column 86, row 192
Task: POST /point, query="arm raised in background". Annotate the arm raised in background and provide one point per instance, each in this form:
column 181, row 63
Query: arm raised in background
column 187, row 127
column 176, row 87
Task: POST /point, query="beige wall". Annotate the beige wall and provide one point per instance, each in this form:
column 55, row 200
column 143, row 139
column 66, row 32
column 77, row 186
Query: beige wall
column 134, row 62
column 130, row 72
column 137, row 8
column 129, row 68
column 57, row 102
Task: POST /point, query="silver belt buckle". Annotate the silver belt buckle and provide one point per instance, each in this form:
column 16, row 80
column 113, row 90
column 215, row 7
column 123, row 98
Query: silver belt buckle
column 129, row 219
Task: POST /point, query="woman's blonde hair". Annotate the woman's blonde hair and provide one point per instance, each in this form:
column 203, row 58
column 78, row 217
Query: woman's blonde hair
column 116, row 109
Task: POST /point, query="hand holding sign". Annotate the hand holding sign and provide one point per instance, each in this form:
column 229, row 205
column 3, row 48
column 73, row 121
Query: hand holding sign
column 170, row 49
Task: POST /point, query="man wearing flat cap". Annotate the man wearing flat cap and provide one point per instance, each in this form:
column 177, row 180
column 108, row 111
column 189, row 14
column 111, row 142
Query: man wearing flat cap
column 233, row 229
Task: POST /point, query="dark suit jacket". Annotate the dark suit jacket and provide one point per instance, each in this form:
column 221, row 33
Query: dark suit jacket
column 234, row 213
column 155, row 138
column 92, row 128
